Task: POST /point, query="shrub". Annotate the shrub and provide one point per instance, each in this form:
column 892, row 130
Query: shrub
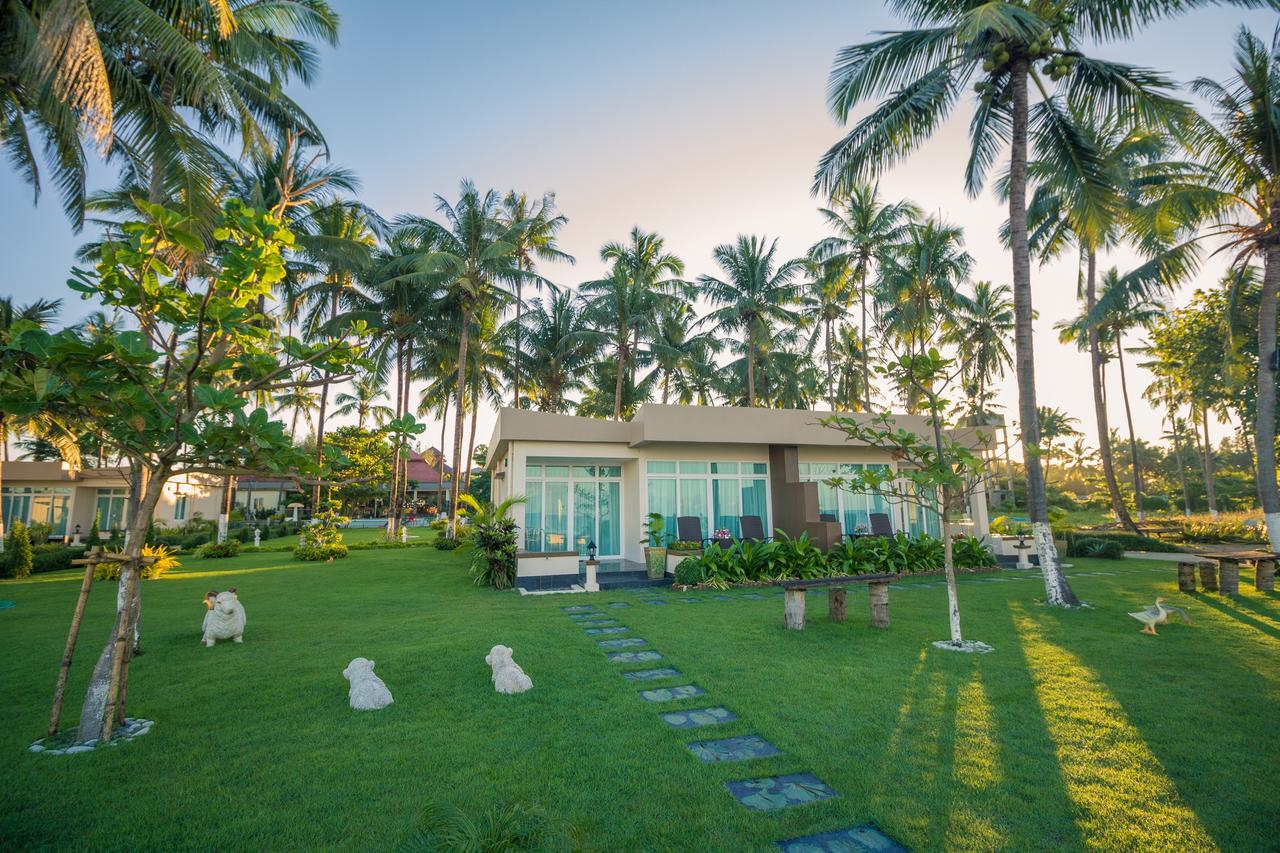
column 685, row 545
column 690, row 572
column 219, row 550
column 18, row 555
column 53, row 556
column 322, row 540
column 165, row 560
column 1128, row 541
column 444, row 543
column 511, row 826
column 969, row 552
column 1093, row 546
column 853, row 557
column 195, row 540
column 1221, row 531
column 798, row 557
column 492, row 540
column 38, row 532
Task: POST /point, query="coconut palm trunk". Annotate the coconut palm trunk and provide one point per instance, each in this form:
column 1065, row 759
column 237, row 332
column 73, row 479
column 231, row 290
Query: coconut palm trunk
column 831, row 386
column 1182, row 469
column 395, row 457
column 471, row 440
column 1206, row 460
column 460, row 394
column 1265, row 425
column 866, row 364
column 1135, row 469
column 1057, row 591
column 1105, row 453
column 751, row 364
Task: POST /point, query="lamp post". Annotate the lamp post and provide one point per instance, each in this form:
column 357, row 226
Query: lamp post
column 1022, row 548
column 592, row 564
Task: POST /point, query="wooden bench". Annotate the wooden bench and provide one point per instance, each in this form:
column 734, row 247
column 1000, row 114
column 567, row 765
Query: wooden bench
column 793, row 601
column 1220, row 572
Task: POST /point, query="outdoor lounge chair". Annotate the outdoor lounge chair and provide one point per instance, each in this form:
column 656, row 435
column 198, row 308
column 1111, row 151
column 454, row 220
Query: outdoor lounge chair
column 689, row 529
column 753, row 528
column 880, row 525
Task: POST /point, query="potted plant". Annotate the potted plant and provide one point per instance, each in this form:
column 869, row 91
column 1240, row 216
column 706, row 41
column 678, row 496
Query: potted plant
column 655, row 550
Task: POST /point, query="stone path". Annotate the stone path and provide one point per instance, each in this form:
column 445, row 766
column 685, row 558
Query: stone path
column 762, row 794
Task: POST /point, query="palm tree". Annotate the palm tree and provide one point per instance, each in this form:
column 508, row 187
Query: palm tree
column 921, row 72
column 539, row 224
column 625, row 303
column 980, row 329
column 302, row 401
column 1240, row 148
column 756, row 292
column 1080, row 457
column 826, row 299
column 132, row 76
column 558, row 348
column 864, row 227
column 601, row 388
column 363, row 402
column 473, row 257
column 1055, row 425
column 676, row 345
column 851, row 368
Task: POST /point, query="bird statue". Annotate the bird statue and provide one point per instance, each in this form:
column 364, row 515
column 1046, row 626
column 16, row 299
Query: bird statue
column 1158, row 614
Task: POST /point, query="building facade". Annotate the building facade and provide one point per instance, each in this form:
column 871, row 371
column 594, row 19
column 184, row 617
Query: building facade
column 593, row 481
column 67, row 499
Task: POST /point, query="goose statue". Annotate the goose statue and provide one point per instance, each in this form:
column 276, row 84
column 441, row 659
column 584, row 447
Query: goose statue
column 1158, row 614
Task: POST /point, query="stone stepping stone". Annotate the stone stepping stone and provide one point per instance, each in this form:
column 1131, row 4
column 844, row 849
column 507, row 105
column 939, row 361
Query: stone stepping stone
column 656, row 601
column 579, row 608
column 753, row 596
column 723, row 597
column 625, row 642
column 633, row 657
column 853, row 840
column 742, row 748
column 615, row 628
column 779, row 792
column 618, row 604
column 588, row 616
column 669, row 694
column 651, row 674
column 691, row 600
column 699, row 718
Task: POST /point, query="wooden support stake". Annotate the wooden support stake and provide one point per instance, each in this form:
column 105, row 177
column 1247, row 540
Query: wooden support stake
column 1229, row 577
column 90, row 568
column 837, row 608
column 1209, row 576
column 1186, row 577
column 793, row 609
column 878, row 592
column 1264, row 576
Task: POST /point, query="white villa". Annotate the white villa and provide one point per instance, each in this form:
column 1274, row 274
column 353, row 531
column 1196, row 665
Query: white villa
column 595, row 481
column 67, row 498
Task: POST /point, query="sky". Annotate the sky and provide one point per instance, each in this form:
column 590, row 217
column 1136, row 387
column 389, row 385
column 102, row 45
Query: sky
column 698, row 120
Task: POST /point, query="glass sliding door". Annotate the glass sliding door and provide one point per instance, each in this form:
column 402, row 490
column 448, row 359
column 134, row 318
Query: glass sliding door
column 584, row 516
column 555, row 515
column 726, row 498
column 609, row 538
column 570, row 506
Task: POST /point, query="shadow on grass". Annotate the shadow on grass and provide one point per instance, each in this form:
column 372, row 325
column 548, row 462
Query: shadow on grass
column 1224, row 605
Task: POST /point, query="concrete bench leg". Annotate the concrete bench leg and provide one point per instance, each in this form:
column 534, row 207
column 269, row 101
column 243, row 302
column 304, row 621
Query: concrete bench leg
column 1186, row 577
column 1209, row 576
column 793, row 609
column 1264, row 578
column 1229, row 577
column 878, row 592
column 836, row 605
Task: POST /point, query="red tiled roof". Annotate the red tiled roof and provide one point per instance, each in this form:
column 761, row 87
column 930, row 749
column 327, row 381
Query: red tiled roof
column 424, row 473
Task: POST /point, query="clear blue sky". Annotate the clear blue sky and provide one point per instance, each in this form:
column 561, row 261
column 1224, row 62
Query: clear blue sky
column 698, row 120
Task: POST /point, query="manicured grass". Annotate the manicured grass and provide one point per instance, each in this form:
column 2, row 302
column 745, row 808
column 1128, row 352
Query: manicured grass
column 1077, row 732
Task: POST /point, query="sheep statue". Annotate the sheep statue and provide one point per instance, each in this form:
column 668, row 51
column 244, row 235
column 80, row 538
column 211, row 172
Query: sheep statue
column 368, row 692
column 508, row 677
column 224, row 617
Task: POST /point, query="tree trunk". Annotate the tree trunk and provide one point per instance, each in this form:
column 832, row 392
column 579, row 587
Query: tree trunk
column 1105, row 454
column 1058, row 592
column 324, row 402
column 1136, row 471
column 97, row 697
column 617, row 383
column 91, row 564
column 471, row 441
column 460, row 391
column 1265, row 426
column 1207, row 463
column 515, row 360
column 751, row 365
column 831, row 387
column 866, row 366
column 394, row 488
column 1182, row 468
column 444, row 420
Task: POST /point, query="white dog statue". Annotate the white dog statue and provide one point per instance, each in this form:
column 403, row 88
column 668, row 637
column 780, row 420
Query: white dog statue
column 508, row 677
column 368, row 693
column 225, row 617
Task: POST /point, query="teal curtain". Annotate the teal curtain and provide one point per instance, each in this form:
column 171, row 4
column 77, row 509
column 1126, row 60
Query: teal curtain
column 555, row 513
column 727, row 497
column 755, row 501
column 610, row 536
column 584, row 517
column 662, row 500
column 532, row 516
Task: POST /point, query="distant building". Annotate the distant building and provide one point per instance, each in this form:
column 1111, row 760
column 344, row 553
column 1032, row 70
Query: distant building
column 63, row 497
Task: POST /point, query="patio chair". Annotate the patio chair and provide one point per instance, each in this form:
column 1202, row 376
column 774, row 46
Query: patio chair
column 828, row 516
column 753, row 528
column 880, row 525
column 689, row 529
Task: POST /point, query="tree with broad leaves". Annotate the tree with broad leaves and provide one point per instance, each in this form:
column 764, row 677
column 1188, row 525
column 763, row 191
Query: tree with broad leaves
column 940, row 471
column 171, row 396
column 1028, row 62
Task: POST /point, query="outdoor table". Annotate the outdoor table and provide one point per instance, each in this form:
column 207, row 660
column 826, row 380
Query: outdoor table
column 1228, row 580
column 796, row 589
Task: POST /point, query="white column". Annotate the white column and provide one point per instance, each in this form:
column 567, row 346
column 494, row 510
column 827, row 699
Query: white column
column 978, row 511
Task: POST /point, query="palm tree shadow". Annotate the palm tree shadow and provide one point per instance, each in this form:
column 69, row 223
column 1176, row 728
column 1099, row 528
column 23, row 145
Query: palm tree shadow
column 1222, row 606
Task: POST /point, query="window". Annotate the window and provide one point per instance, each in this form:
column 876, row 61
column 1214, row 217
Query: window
column 570, row 506
column 718, row 494
column 180, row 508
column 853, row 508
column 112, row 509
column 35, row 505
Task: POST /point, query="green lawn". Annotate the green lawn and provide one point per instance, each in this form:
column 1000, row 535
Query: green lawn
column 1077, row 732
